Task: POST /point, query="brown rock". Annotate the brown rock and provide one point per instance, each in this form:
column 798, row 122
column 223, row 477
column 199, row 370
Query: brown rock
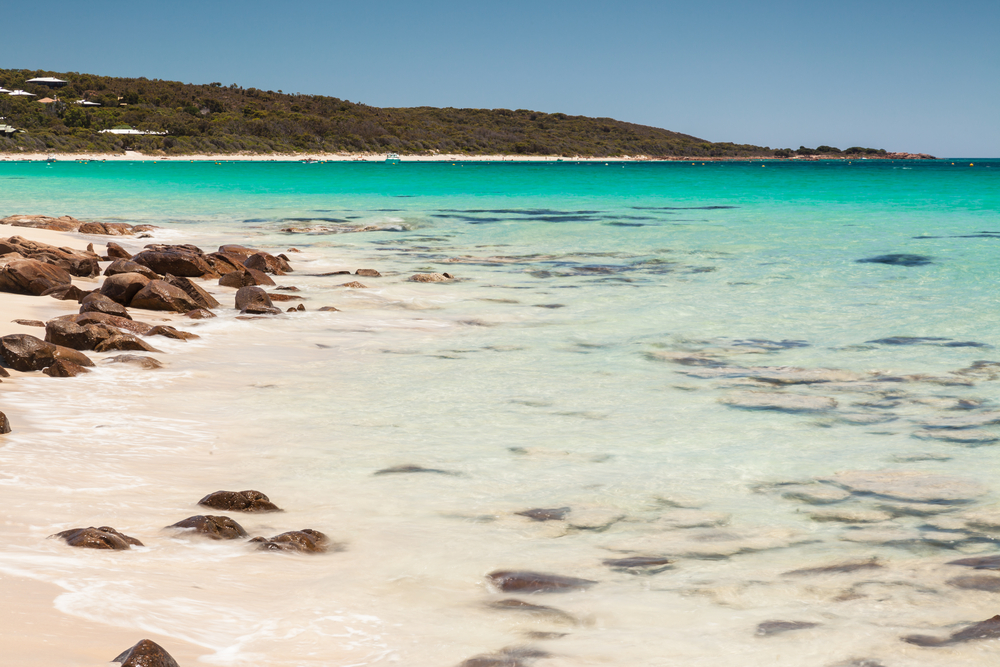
column 170, row 332
column 76, row 262
column 535, row 582
column 354, row 284
column 212, row 527
column 431, row 277
column 30, row 276
column 93, row 317
column 29, row 323
column 224, row 263
column 115, row 251
column 75, row 336
column 284, row 297
column 124, row 286
column 245, row 277
column 69, row 354
column 124, row 342
column 239, row 501
column 267, row 263
column 291, row 310
column 161, row 295
column 199, row 314
column 511, row 656
column 288, row 288
column 99, row 303
column 239, row 250
column 254, row 300
column 411, row 468
column 368, row 273
column 329, row 309
column 148, row 363
column 306, row 540
column 146, row 653
column 64, row 369
column 539, row 514
column 4, row 424
column 178, row 260
column 66, row 293
column 769, row 628
column 26, row 353
column 126, row 266
column 62, row 224
column 98, row 538
column 195, row 292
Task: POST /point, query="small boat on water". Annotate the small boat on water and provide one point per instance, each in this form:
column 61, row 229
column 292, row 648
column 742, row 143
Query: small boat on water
column 392, row 158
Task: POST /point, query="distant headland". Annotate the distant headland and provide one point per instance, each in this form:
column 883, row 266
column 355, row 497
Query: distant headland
column 44, row 112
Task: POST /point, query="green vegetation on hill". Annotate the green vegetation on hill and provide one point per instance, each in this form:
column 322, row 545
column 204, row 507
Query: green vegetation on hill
column 219, row 119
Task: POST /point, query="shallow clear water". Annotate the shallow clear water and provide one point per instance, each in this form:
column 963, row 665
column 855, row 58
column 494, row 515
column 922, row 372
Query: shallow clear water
column 546, row 376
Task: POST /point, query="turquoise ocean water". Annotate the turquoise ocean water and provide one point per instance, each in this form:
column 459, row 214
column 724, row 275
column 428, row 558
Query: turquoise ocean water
column 609, row 332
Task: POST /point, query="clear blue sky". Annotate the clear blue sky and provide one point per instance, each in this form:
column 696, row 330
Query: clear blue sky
column 921, row 76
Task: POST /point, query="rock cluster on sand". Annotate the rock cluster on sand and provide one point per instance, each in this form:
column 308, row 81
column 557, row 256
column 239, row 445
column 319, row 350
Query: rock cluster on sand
column 69, row 224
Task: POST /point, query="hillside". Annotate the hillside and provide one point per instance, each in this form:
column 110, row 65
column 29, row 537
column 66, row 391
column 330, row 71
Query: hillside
column 218, row 119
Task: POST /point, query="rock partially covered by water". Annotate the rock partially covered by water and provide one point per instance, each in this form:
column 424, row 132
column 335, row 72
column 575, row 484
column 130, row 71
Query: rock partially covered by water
column 982, row 582
column 212, row 526
column 988, row 629
column 763, row 400
column 146, row 653
column 4, row 424
column 410, row 468
column 267, row 263
column 513, row 656
column 124, row 342
column 979, row 562
column 520, row 606
column 148, row 363
column 971, row 420
column 104, row 537
column 239, row 501
column 839, row 568
column 194, row 291
column 255, row 300
column 368, row 273
column 540, row 514
column 244, row 277
column 306, row 540
column 639, row 564
column 909, row 485
column 514, row 581
column 431, row 277
column 64, row 369
column 897, row 259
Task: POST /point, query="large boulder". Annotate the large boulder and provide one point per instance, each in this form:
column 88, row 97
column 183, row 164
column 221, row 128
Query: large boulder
column 254, row 300
column 107, row 228
column 26, row 353
column 75, row 356
column 99, row 303
column 128, row 266
column 161, row 295
column 83, row 263
column 123, row 286
column 193, row 290
column 224, row 262
column 239, row 501
column 244, row 277
column 104, row 537
column 30, row 276
column 146, row 653
column 178, row 260
column 212, row 527
column 77, row 337
column 134, row 326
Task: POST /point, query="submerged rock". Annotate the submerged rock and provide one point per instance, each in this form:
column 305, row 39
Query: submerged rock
column 538, row 514
column 239, row 501
column 511, row 581
column 64, row 369
column 148, row 363
column 639, row 564
column 431, row 278
column 839, row 568
column 306, row 540
column 761, row 400
column 771, row 628
column 980, row 582
column 514, row 656
column 971, row 436
column 212, row 527
column 988, row 629
column 104, row 537
column 979, row 562
column 897, row 259
column 815, row 494
column 520, row 606
column 395, row 470
column 368, row 273
column 146, row 653
column 964, row 421
column 909, row 485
